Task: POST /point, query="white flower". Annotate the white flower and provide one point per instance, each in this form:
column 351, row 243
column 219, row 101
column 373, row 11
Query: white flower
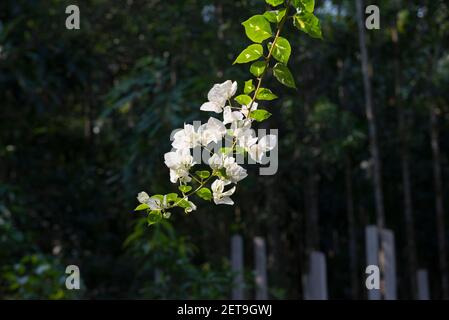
column 238, row 128
column 234, row 172
column 216, row 161
column 180, row 174
column 191, row 208
column 212, row 131
column 218, row 95
column 154, row 203
column 185, row 138
column 167, row 215
column 230, row 116
column 143, row 197
column 221, row 196
column 179, row 162
column 246, row 138
column 266, row 143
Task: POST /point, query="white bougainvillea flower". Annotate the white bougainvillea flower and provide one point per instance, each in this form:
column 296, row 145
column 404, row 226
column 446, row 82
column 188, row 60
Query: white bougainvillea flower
column 153, row 203
column 180, row 174
column 191, row 208
column 143, row 197
column 185, row 138
column 265, row 144
column 179, row 162
column 234, row 172
column 212, row 131
column 230, row 116
column 221, row 196
column 246, row 138
column 167, row 215
column 219, row 95
column 239, row 128
column 216, row 161
column 246, row 110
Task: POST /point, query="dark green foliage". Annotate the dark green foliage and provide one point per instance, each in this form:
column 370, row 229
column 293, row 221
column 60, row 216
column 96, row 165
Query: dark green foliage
column 86, row 116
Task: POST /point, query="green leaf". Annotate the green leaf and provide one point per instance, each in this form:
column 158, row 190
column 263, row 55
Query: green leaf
column 159, row 197
column 309, row 24
column 243, row 99
column 184, row 189
column 260, row 115
column 282, row 50
column 171, row 197
column 258, row 68
column 154, row 217
column 249, row 87
column 205, row 194
column 274, row 3
column 257, row 28
column 265, row 94
column 203, row 174
column 275, row 16
column 251, row 53
column 141, row 207
column 184, row 203
column 307, row 5
column 283, row 75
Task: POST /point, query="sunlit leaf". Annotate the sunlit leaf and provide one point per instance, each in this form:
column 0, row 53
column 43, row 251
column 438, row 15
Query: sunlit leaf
column 265, row 94
column 282, row 50
column 257, row 28
column 258, row 68
column 275, row 16
column 141, row 207
column 260, row 115
column 205, row 193
column 308, row 23
column 243, row 99
column 249, row 87
column 251, row 53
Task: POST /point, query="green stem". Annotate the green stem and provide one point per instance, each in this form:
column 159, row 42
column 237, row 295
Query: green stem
column 202, row 184
column 267, row 59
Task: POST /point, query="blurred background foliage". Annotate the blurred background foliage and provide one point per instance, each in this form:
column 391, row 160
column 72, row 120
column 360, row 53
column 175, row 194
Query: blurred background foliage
column 86, row 116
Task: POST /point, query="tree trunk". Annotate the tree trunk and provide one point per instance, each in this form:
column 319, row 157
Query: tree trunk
column 405, row 168
column 438, row 185
column 372, row 131
column 352, row 242
column 369, row 110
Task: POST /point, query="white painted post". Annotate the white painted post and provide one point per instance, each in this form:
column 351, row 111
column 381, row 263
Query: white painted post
column 389, row 264
column 316, row 279
column 260, row 258
column 423, row 284
column 372, row 255
column 237, row 266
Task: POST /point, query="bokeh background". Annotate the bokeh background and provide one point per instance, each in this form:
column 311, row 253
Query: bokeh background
column 86, row 115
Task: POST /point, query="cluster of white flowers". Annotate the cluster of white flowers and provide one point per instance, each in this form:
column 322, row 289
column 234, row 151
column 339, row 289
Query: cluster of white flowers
column 224, row 168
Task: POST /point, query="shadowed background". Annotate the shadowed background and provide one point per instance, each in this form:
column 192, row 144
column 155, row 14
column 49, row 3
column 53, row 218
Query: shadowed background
column 86, row 116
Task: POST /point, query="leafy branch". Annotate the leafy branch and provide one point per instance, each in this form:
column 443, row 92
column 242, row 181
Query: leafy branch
column 258, row 29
